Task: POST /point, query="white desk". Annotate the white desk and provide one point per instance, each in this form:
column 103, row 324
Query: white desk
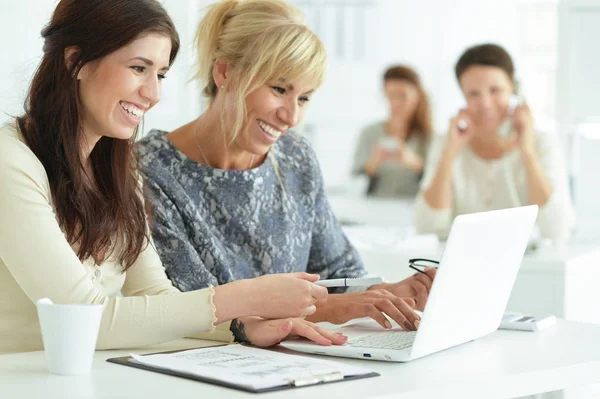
column 503, row 364
column 564, row 283
column 382, row 212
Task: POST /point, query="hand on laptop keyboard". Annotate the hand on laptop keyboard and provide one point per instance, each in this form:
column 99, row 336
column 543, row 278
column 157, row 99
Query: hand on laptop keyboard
column 416, row 287
column 340, row 308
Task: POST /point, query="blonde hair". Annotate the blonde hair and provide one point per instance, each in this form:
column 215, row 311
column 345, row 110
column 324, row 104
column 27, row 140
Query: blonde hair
column 263, row 41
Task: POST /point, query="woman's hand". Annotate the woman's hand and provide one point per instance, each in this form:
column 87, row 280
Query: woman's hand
column 522, row 122
column 460, row 132
column 416, row 287
column 261, row 332
column 379, row 156
column 340, row 308
column 272, row 296
column 278, row 296
column 409, row 159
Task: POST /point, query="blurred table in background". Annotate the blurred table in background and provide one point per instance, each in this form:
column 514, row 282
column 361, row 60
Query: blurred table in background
column 351, row 209
column 564, row 282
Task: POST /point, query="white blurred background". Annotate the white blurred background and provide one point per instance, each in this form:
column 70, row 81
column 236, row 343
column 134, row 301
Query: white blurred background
column 554, row 45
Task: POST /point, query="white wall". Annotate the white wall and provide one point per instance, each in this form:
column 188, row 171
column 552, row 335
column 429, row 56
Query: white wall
column 578, row 85
column 429, row 35
column 180, row 100
column 20, row 50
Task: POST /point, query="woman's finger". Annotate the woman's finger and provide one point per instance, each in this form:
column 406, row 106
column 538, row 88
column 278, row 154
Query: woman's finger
column 408, row 312
column 305, row 330
column 318, row 292
column 421, row 294
column 431, row 272
column 371, row 311
column 335, row 338
column 390, row 308
column 410, row 302
column 424, row 278
column 306, row 276
column 309, row 310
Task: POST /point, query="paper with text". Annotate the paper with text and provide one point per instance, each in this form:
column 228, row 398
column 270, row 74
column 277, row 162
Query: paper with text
column 247, row 366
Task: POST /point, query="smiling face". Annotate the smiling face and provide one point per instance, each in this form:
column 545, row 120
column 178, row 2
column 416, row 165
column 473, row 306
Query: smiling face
column 116, row 91
column 487, row 90
column 272, row 110
column 403, row 97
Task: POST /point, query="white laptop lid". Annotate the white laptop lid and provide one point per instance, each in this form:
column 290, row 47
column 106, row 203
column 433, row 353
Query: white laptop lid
column 475, row 278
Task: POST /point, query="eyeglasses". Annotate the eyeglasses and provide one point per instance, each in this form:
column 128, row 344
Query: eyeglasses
column 420, row 264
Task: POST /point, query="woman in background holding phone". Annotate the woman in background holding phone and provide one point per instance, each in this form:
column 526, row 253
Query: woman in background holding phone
column 392, row 153
column 492, row 158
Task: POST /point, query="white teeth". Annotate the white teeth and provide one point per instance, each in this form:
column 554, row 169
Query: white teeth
column 132, row 109
column 269, row 130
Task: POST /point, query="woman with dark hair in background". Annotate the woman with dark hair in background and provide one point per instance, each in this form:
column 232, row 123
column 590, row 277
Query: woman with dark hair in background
column 492, row 157
column 73, row 223
column 392, row 152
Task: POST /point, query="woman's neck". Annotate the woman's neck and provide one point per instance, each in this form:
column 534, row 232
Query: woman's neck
column 488, row 146
column 203, row 141
column 398, row 128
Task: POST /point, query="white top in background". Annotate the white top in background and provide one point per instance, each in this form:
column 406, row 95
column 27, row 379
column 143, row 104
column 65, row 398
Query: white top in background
column 480, row 185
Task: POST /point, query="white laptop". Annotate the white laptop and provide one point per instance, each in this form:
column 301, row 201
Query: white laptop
column 468, row 297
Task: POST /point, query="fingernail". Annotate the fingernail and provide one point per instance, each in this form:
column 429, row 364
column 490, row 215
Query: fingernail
column 387, row 324
column 417, row 323
column 407, row 324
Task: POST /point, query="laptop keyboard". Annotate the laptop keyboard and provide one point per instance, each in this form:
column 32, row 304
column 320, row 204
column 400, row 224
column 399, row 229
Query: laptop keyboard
column 397, row 339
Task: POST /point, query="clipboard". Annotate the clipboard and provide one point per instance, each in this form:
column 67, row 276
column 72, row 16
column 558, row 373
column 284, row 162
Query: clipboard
column 303, row 381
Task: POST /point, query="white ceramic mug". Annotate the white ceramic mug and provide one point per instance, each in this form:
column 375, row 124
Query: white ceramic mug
column 69, row 333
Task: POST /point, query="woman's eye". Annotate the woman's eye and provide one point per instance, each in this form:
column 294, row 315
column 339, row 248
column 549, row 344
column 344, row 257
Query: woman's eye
column 162, row 76
column 139, row 69
column 304, row 100
column 279, row 90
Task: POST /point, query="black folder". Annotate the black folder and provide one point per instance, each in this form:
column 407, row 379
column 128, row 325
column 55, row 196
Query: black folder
column 130, row 362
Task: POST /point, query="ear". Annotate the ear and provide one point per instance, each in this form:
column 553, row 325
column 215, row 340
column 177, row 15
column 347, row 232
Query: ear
column 70, row 53
column 221, row 71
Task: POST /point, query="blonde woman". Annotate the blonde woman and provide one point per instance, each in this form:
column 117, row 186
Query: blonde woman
column 392, row 152
column 73, row 222
column 235, row 194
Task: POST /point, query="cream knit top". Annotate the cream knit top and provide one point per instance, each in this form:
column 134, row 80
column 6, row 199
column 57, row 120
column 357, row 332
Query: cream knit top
column 480, row 185
column 36, row 261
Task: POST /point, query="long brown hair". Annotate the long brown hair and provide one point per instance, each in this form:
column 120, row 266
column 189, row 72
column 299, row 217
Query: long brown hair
column 110, row 213
column 421, row 121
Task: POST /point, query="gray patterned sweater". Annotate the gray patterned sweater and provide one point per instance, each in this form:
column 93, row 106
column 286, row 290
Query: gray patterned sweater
column 213, row 226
